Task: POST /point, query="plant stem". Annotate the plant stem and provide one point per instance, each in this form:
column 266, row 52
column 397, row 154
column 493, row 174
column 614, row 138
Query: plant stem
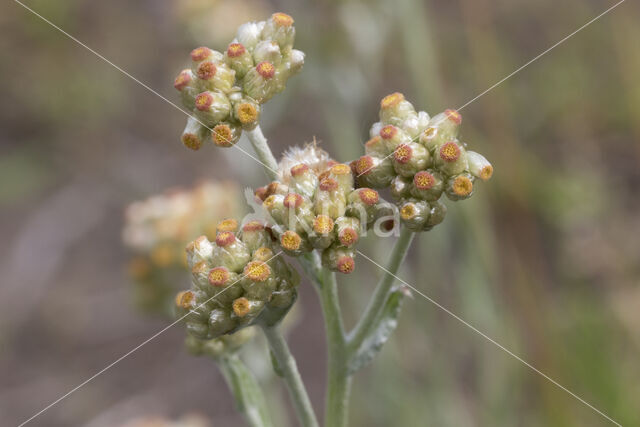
column 381, row 293
column 338, row 381
column 263, row 151
column 246, row 391
column 287, row 365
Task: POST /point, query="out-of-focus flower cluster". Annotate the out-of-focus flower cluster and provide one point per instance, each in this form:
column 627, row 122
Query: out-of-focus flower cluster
column 237, row 279
column 419, row 159
column 157, row 229
column 224, row 91
column 314, row 205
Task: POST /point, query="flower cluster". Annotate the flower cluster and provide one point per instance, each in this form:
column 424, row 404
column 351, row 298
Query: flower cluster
column 157, row 229
column 419, row 159
column 236, row 280
column 315, row 205
column 225, row 91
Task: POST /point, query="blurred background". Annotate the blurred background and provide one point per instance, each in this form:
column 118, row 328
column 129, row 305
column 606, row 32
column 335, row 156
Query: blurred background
column 545, row 258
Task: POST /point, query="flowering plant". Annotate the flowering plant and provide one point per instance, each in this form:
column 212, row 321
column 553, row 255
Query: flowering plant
column 314, row 211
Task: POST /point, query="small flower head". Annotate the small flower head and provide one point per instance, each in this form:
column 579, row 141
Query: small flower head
column 224, row 135
column 364, row 165
column 225, row 238
column 263, row 254
column 323, row 224
column 299, row 169
column 392, row 100
column 340, row 169
column 241, row 307
column 282, row 19
column 449, row 152
column 462, row 186
column 206, row 70
column 388, row 132
column 403, row 153
column 290, row 240
column 253, row 226
column 266, row 70
column 200, row 53
column 218, row 276
column 204, row 101
column 346, row 264
column 454, row 116
column 235, row 49
column 191, row 141
column 183, row 79
column 185, row 299
column 479, row 166
column 328, row 184
column 423, row 180
column 348, row 236
column 247, row 113
column 257, row 271
column 293, row 200
column 228, row 224
column 408, row 211
column 368, row 196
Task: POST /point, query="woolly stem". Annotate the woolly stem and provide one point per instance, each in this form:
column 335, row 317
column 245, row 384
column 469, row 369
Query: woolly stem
column 263, row 151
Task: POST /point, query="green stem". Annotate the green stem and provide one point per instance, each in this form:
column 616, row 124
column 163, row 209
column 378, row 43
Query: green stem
column 289, row 369
column 246, row 391
column 261, row 147
column 381, row 293
column 338, row 381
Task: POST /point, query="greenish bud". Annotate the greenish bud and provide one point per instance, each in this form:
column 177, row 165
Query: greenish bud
column 343, row 176
column 363, row 204
column 199, row 250
column 203, row 54
column 329, row 199
column 194, row 134
column 322, row 235
column 212, row 107
column 410, row 158
column 247, row 113
column 260, row 83
column 338, row 258
column 374, row 171
column 442, row 128
column 239, row 59
column 274, row 205
column 400, row 187
column 254, row 235
column 479, row 166
column 249, row 34
column 246, row 310
column 220, row 322
column 451, row 158
column 395, row 109
column 414, row 213
column 231, row 252
column 436, row 216
column 280, row 29
column 296, row 62
column 376, row 147
column 427, row 185
column 347, row 230
column 267, row 51
column 303, row 180
column 415, row 125
column 393, row 136
column 215, row 76
column 459, row 187
column 185, row 83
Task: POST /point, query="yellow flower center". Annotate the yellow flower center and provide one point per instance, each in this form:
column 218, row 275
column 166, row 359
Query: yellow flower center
column 257, row 271
column 229, row 224
column 391, row 100
column 241, row 307
column 185, row 299
column 222, row 135
column 408, row 211
column 282, row 19
column 462, row 186
column 291, row 240
column 323, row 224
column 218, row 276
column 450, row 152
column 247, row 113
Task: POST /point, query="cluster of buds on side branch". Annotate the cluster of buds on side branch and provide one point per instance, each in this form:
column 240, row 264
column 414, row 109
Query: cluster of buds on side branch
column 237, row 279
column 419, row 158
column 225, row 91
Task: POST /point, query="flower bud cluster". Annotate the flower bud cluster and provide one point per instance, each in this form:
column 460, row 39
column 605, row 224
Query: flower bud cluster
column 419, row 158
column 316, row 206
column 225, row 90
column 236, row 280
column 157, row 229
